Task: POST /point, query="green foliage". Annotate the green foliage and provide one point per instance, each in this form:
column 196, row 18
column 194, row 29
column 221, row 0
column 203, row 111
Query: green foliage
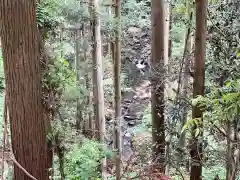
column 129, row 175
column 136, row 14
column 58, row 75
column 209, row 173
column 146, row 124
column 223, row 62
column 82, row 161
column 221, row 104
column 196, row 123
column 177, row 36
column 47, row 16
column 73, row 92
column 74, row 11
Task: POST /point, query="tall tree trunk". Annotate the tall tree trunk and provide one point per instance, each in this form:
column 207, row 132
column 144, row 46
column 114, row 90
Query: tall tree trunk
column 21, row 54
column 157, row 81
column 98, row 75
column 198, row 86
column 233, row 151
column 87, row 130
column 79, row 113
column 170, row 29
column 117, row 84
column 185, row 91
column 166, row 32
column 230, row 152
column 98, row 92
column 166, row 59
column 61, row 42
column 109, row 11
column 186, row 61
column 60, row 153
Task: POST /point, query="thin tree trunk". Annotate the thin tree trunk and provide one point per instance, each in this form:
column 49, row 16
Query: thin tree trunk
column 79, row 113
column 185, row 93
column 230, row 160
column 98, row 79
column 61, row 41
column 198, row 86
column 21, row 55
column 233, row 151
column 186, row 61
column 98, row 75
column 60, row 154
column 166, row 33
column 170, row 30
column 157, row 81
column 109, row 9
column 166, row 59
column 88, row 127
column 117, row 84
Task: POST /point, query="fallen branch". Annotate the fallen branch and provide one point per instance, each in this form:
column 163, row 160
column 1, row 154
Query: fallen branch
column 22, row 168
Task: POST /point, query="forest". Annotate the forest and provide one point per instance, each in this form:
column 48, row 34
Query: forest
column 120, row 89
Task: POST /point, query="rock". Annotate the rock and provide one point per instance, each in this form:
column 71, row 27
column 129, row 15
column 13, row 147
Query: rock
column 127, row 101
column 135, row 97
column 145, row 36
column 132, row 123
column 134, row 30
column 128, row 135
column 129, row 117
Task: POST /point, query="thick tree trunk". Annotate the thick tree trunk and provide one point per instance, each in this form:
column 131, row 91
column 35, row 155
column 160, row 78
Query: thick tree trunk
column 117, row 84
column 157, row 81
column 198, row 86
column 21, row 54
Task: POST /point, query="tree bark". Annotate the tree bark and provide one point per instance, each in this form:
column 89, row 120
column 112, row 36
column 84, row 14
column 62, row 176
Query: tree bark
column 170, row 29
column 166, row 33
column 21, row 55
column 157, row 81
column 233, row 150
column 117, row 84
column 166, row 61
column 98, row 92
column 186, row 61
column 87, row 129
column 98, row 75
column 79, row 113
column 196, row 151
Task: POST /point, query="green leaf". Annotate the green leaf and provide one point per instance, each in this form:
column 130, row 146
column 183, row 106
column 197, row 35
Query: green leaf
column 65, row 62
column 197, row 132
column 195, row 101
column 184, row 128
column 238, row 54
column 228, row 84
